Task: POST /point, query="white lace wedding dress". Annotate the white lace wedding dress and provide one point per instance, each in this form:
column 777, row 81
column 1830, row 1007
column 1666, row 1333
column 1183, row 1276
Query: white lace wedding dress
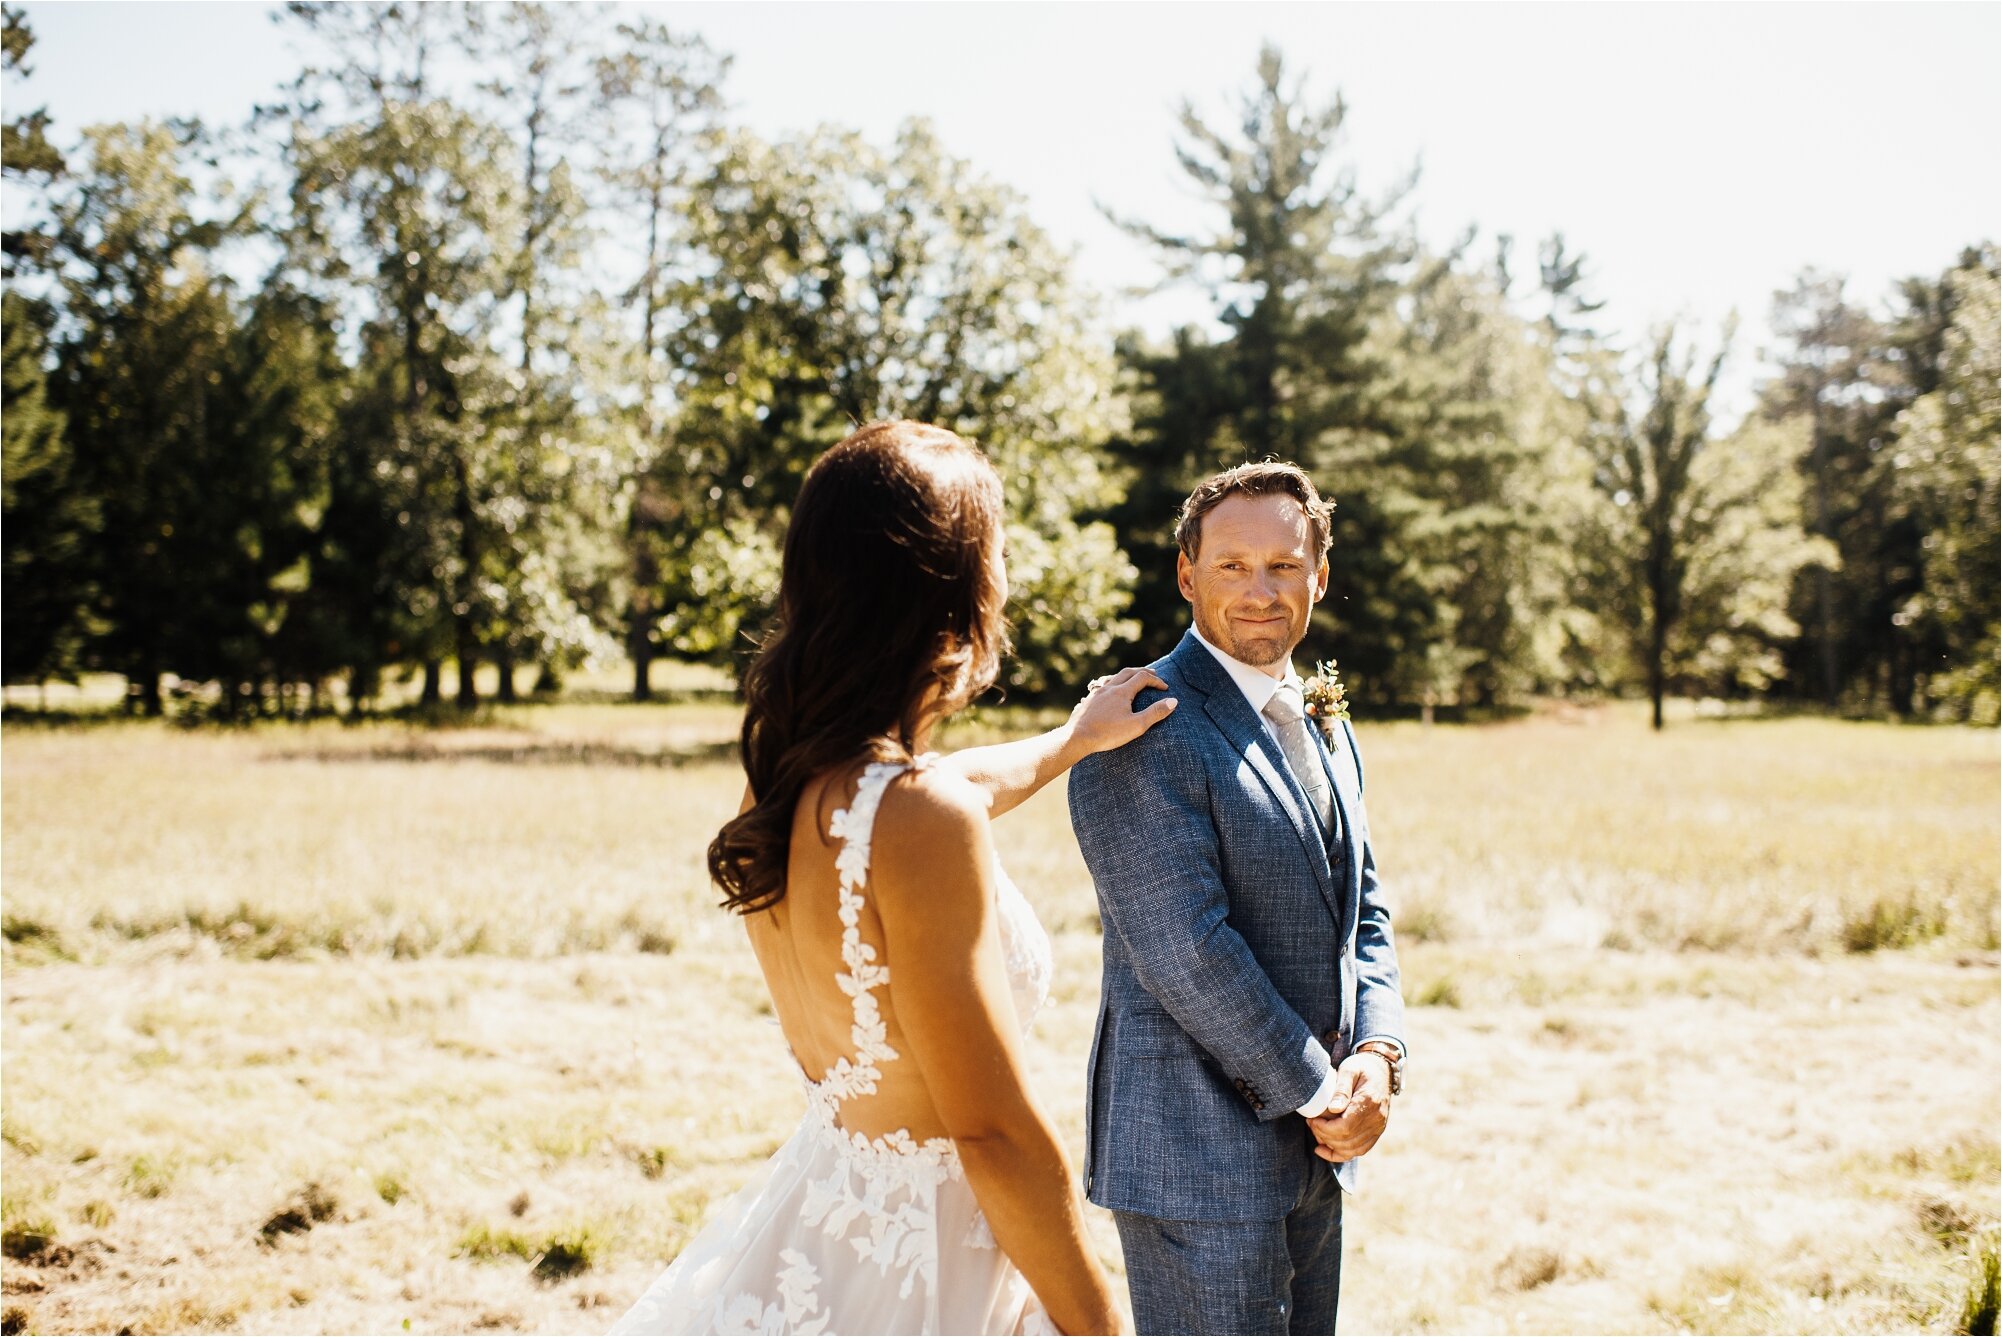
column 840, row 1233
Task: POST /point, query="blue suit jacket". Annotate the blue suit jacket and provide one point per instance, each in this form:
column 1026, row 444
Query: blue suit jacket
column 1242, row 950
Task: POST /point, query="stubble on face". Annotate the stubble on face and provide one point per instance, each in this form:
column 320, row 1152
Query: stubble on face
column 1255, row 579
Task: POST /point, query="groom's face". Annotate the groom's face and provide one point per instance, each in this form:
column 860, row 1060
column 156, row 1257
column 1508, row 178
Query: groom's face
column 1255, row 578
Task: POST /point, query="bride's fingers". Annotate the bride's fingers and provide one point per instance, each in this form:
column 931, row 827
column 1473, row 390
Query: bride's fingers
column 1140, row 680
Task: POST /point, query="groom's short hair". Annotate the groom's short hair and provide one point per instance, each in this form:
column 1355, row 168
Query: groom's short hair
column 1255, row 480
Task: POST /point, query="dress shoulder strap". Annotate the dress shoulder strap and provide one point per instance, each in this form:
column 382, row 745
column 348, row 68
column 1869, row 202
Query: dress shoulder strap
column 853, row 826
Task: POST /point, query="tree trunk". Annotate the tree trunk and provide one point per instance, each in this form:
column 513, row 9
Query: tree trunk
column 548, row 681
column 362, row 684
column 468, row 694
column 642, row 653
column 1824, row 579
column 1902, row 685
column 434, row 680
column 1656, row 678
column 504, row 662
column 149, row 694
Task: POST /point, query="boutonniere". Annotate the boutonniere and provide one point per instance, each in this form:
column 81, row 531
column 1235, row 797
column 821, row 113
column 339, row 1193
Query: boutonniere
column 1327, row 701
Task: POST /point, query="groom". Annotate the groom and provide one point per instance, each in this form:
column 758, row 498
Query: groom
column 1250, row 1029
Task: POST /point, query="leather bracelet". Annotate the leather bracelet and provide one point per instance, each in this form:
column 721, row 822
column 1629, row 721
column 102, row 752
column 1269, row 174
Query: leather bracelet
column 1391, row 1056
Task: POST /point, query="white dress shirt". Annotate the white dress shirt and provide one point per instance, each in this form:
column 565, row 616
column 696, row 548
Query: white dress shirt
column 1258, row 687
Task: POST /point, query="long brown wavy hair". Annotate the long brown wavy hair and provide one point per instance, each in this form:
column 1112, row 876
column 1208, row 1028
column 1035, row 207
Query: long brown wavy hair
column 889, row 617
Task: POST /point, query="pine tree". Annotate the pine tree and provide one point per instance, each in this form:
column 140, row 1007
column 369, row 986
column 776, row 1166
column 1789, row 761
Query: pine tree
column 139, row 377
column 26, row 155
column 1945, row 484
column 47, row 519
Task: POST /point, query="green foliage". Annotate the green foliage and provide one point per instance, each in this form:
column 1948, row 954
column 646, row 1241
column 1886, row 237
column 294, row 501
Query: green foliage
column 657, row 94
column 545, row 346
column 47, row 519
column 840, row 283
column 1742, row 525
column 139, row 377
column 1303, row 277
column 1399, row 379
column 1697, row 540
column 25, row 151
column 1902, row 479
column 731, row 576
column 1946, row 485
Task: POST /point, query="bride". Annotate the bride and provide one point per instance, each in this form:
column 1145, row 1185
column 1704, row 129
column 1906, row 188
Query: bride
column 925, row 1189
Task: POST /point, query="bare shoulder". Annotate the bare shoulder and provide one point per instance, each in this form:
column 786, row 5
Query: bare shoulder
column 929, row 805
column 931, row 832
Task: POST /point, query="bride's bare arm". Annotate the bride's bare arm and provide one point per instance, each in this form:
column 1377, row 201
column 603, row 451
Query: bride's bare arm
column 931, row 877
column 1105, row 719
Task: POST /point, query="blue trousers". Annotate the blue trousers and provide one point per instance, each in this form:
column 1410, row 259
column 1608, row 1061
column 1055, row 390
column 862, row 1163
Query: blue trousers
column 1282, row 1276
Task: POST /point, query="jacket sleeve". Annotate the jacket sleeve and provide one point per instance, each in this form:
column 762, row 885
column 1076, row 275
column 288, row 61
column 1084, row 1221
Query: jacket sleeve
column 1379, row 996
column 1143, row 821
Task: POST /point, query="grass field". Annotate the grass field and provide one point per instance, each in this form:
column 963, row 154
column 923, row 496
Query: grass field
column 348, row 1029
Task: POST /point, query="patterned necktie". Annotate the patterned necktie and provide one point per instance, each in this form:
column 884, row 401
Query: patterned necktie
column 1288, row 714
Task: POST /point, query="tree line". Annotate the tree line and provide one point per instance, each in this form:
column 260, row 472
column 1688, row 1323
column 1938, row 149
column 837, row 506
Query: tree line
column 492, row 339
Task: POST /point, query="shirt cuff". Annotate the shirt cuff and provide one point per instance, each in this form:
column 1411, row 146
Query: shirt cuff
column 1317, row 1104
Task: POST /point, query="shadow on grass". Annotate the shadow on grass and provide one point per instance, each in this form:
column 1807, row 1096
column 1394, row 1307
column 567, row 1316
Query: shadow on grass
column 527, row 752
column 443, row 716
column 87, row 717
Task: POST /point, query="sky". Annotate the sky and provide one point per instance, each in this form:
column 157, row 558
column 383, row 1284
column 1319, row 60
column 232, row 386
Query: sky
column 1699, row 154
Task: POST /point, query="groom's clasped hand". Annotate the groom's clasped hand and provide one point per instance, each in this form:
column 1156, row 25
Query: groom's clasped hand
column 1357, row 1115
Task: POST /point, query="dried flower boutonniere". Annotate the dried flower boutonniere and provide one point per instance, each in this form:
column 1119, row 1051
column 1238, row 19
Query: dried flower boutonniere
column 1326, row 699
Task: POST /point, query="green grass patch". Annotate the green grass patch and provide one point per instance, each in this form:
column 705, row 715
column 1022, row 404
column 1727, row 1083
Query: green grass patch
column 32, row 942
column 1893, row 923
column 552, row 1255
column 28, row 1240
column 486, row 1243
column 1978, row 1311
column 150, row 1176
column 1439, row 991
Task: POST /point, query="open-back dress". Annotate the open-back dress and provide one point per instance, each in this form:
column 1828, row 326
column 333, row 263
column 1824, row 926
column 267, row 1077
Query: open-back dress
column 843, row 1233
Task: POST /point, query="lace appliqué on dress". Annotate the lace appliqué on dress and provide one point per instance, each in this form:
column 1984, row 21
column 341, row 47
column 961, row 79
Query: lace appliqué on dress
column 795, row 1311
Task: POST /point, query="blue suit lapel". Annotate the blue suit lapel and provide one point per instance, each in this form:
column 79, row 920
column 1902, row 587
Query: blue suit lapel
column 1247, row 736
column 1345, row 828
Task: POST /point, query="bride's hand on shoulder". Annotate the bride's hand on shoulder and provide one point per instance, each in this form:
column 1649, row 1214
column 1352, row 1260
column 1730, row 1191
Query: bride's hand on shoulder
column 1106, row 719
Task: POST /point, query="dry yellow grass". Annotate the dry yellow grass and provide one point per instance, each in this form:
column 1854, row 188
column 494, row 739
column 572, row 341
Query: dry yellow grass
column 328, row 1029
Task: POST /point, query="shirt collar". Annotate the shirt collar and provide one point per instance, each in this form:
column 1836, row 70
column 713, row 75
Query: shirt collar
column 1256, row 684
